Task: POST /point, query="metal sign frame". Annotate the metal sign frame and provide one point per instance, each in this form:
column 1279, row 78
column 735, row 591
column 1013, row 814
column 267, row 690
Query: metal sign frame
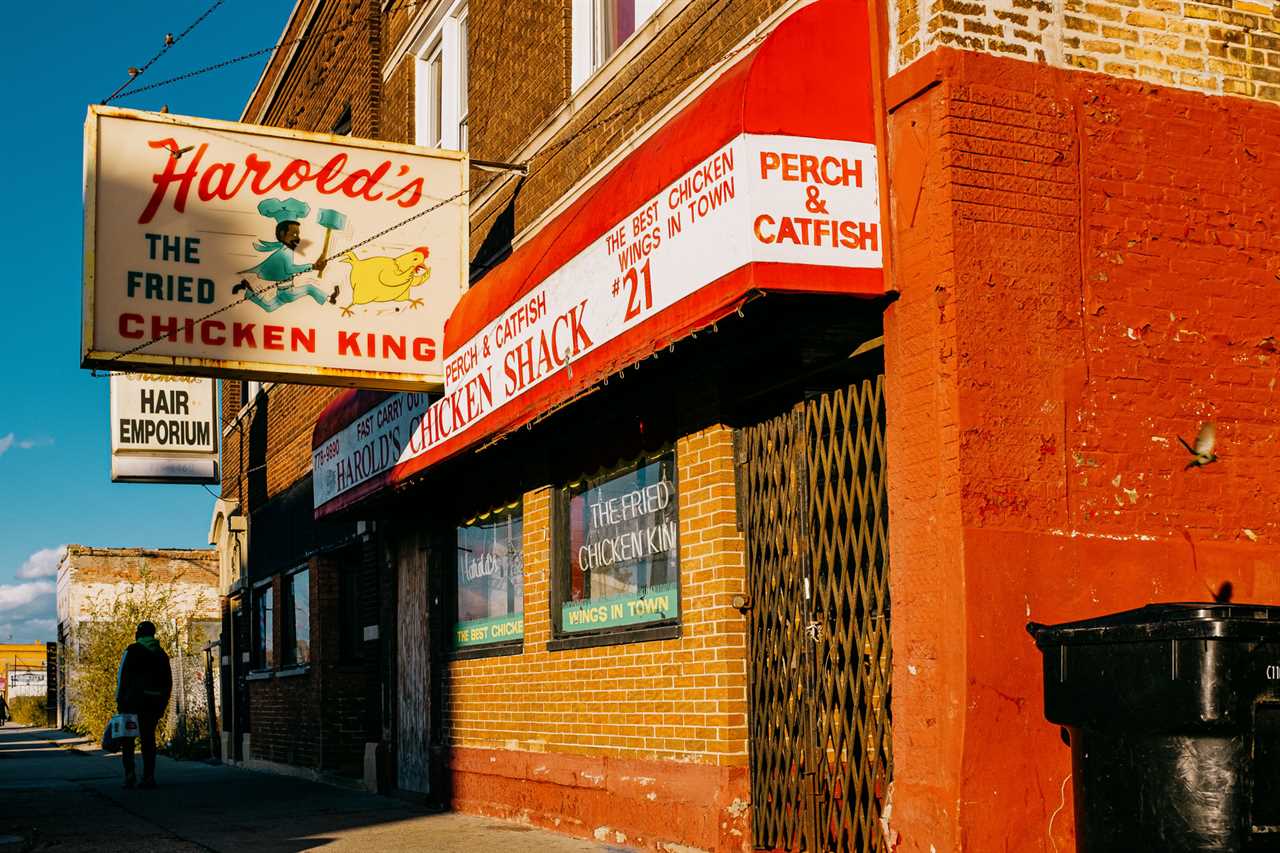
column 244, row 368
column 157, row 466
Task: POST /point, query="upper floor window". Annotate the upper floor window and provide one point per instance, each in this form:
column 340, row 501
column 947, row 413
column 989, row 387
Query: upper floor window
column 599, row 29
column 248, row 392
column 297, row 619
column 441, row 120
column 264, row 647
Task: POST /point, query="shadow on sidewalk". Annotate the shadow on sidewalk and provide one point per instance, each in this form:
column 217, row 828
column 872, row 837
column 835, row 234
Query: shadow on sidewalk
column 60, row 792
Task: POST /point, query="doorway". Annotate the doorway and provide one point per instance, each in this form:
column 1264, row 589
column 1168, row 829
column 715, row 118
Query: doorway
column 814, row 512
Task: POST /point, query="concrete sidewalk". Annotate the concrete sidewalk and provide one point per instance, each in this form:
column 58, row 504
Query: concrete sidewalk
column 59, row 792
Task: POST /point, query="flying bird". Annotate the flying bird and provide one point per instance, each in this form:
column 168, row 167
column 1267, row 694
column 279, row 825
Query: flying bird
column 1202, row 451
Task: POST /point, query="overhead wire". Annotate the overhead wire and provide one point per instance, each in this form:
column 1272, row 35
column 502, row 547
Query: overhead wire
column 351, row 24
column 169, row 42
column 546, row 154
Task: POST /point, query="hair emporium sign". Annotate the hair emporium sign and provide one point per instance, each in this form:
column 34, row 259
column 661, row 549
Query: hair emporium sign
column 164, row 429
column 228, row 250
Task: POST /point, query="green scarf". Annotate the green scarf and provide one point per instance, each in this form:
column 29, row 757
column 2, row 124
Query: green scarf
column 151, row 644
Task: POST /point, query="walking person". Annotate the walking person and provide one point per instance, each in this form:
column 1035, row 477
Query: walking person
column 4, row 710
column 143, row 685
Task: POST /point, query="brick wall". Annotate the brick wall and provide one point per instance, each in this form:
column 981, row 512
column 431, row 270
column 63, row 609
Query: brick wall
column 268, row 448
column 344, row 684
column 286, row 722
column 672, row 712
column 1220, row 46
column 318, row 718
column 286, row 710
column 338, row 66
column 1087, row 269
column 923, row 479
column 520, row 84
column 86, row 573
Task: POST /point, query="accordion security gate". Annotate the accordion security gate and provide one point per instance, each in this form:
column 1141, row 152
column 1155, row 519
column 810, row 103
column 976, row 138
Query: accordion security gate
column 814, row 512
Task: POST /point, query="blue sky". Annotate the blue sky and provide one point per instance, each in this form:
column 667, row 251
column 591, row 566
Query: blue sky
column 55, row 483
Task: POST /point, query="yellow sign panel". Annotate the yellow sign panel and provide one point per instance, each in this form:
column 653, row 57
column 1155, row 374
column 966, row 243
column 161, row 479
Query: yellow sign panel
column 228, row 250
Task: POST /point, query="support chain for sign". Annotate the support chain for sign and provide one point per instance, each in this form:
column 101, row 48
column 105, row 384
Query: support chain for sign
column 249, row 291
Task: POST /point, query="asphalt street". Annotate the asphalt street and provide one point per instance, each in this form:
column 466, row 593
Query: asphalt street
column 58, row 793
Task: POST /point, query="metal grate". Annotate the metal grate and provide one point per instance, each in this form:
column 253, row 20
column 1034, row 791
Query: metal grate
column 815, row 517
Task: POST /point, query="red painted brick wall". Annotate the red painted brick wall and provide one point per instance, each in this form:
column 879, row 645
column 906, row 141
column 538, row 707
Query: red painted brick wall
column 1088, row 270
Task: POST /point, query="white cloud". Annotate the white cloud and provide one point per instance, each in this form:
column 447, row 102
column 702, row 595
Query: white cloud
column 29, row 631
column 18, row 597
column 28, row 611
column 10, row 440
column 43, row 563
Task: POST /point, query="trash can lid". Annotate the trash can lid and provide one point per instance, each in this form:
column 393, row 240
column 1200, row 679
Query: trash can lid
column 1170, row 621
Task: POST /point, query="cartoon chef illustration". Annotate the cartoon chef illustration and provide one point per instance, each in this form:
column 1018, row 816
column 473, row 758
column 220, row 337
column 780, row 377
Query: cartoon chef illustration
column 278, row 267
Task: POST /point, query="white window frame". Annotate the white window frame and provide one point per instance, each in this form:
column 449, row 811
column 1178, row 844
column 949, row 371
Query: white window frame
column 588, row 56
column 252, row 389
column 445, row 41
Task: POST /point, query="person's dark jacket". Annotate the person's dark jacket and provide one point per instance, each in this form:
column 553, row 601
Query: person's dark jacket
column 144, row 680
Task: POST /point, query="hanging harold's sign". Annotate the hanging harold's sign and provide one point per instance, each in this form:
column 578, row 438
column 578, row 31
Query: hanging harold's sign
column 164, row 429
column 220, row 249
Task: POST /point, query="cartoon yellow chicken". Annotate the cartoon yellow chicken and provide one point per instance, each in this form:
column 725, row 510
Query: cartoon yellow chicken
column 383, row 279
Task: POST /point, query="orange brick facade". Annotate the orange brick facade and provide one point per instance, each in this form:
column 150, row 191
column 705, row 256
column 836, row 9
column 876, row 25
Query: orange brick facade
column 1087, row 272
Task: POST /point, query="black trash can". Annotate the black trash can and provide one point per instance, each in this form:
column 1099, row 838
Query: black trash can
column 1174, row 719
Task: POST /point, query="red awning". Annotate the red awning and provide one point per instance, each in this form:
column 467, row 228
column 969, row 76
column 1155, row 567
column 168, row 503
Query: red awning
column 811, row 77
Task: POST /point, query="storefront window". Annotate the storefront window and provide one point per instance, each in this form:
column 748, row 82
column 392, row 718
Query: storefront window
column 623, row 549
column 297, row 643
column 263, row 643
column 491, row 579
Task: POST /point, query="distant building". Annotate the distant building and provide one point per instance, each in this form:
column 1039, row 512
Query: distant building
column 22, row 669
column 88, row 575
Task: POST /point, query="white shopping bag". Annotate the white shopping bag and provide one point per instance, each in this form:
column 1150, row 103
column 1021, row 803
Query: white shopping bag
column 124, row 725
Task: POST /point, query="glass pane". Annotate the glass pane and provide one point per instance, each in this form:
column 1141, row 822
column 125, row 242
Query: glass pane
column 301, row 594
column 623, row 548
column 463, row 77
column 615, row 22
column 265, row 640
column 491, row 578
column 435, row 89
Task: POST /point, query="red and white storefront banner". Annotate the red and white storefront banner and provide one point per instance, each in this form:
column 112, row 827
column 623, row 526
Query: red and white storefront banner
column 758, row 199
column 766, row 182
